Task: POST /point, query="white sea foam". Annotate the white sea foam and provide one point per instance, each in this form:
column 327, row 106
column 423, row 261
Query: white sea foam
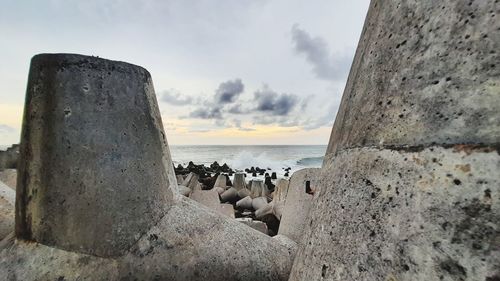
column 246, row 159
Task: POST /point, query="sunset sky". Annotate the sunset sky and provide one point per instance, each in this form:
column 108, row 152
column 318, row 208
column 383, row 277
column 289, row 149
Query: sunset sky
column 225, row 72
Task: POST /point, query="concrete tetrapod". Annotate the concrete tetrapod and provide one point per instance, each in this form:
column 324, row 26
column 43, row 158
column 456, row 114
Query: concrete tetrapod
column 191, row 180
column 221, row 181
column 231, row 194
column 7, row 200
column 295, row 212
column 409, row 188
column 245, row 203
column 239, row 181
column 123, row 218
column 258, row 189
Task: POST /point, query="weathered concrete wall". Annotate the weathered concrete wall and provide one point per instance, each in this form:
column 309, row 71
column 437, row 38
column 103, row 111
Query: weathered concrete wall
column 92, row 155
column 425, row 72
column 295, row 213
column 410, row 185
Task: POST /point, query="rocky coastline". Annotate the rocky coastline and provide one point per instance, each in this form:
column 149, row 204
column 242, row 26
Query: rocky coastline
column 228, row 191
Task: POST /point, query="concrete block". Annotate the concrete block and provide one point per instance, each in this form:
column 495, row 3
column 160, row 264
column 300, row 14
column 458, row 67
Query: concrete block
column 7, row 201
column 245, row 203
column 230, row 194
column 242, row 193
column 410, row 183
column 100, row 118
column 227, row 210
column 208, row 198
column 239, row 181
column 9, row 177
column 184, row 190
column 295, row 212
column 259, row 202
column 257, row 225
column 180, row 179
column 281, row 190
column 258, row 189
column 97, row 195
column 191, row 180
column 221, row 181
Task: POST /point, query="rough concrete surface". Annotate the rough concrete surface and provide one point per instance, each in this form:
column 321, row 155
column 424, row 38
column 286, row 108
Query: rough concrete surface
column 295, row 212
column 409, row 188
column 189, row 243
column 9, row 177
column 7, row 201
column 91, row 126
column 382, row 214
column 425, row 72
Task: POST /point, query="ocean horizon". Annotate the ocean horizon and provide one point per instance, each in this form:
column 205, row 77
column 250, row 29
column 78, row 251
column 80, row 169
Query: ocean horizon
column 240, row 157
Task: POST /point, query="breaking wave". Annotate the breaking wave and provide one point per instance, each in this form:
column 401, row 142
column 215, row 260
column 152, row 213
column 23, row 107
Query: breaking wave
column 310, row 161
column 246, row 159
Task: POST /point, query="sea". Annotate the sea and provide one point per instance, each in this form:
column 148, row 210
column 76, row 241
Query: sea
column 239, row 157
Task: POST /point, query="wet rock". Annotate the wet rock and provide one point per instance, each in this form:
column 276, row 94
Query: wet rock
column 268, row 182
column 273, row 176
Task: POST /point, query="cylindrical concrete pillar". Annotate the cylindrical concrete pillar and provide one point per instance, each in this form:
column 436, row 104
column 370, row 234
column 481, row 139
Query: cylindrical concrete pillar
column 95, row 170
column 410, row 184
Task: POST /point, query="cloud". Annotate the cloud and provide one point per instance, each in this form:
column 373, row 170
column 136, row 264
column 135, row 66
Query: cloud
column 325, row 120
column 206, row 113
column 283, row 121
column 6, row 129
column 174, row 97
column 273, row 103
column 238, row 109
column 317, row 53
column 228, row 91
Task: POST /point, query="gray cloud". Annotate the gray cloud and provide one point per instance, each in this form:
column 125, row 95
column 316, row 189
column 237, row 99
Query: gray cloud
column 325, row 120
column 283, row 121
column 317, row 53
column 228, row 91
column 176, row 98
column 206, row 113
column 276, row 104
column 238, row 109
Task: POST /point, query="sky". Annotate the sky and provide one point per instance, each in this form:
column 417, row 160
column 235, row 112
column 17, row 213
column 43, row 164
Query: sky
column 225, row 72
